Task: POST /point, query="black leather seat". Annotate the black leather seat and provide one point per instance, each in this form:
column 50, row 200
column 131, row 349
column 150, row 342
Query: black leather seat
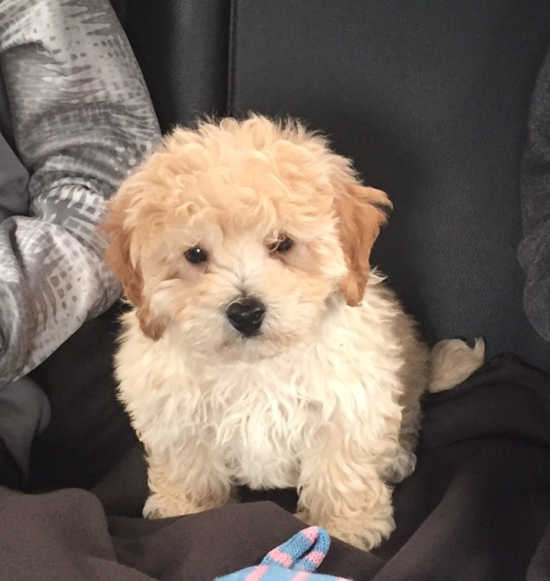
column 430, row 99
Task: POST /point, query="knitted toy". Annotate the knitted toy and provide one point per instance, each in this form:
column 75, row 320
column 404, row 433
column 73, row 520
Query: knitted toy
column 294, row 560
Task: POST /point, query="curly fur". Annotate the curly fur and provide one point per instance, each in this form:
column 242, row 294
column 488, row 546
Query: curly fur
column 326, row 398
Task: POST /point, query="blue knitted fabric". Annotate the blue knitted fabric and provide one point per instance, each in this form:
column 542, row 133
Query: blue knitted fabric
column 294, row 560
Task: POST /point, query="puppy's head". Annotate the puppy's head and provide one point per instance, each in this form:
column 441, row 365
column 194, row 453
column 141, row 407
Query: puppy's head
column 237, row 236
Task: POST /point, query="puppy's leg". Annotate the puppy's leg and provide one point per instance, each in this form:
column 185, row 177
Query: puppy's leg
column 341, row 490
column 185, row 481
column 403, row 462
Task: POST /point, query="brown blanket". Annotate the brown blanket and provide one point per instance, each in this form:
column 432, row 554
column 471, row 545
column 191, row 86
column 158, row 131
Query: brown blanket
column 477, row 507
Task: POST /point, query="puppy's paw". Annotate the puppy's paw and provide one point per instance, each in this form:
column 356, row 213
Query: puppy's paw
column 364, row 533
column 159, row 506
column 364, row 530
column 402, row 465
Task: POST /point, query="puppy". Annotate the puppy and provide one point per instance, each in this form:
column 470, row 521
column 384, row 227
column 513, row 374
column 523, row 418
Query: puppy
column 261, row 349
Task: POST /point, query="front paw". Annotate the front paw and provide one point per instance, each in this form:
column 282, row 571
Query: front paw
column 364, row 530
column 401, row 467
column 159, row 506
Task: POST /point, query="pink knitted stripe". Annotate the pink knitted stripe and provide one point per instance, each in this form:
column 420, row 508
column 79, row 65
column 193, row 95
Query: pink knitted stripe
column 301, row 576
column 257, row 573
column 316, row 557
column 311, row 533
column 282, row 558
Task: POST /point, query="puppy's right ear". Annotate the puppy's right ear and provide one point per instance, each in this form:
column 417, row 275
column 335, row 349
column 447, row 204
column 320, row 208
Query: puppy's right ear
column 119, row 259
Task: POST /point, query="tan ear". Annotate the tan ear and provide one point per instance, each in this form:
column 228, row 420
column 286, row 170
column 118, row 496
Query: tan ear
column 361, row 211
column 119, row 260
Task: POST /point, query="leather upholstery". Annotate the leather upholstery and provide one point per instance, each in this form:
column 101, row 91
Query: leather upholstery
column 182, row 48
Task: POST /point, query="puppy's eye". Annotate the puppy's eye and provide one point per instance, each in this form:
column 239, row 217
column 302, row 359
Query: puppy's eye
column 196, row 255
column 282, row 245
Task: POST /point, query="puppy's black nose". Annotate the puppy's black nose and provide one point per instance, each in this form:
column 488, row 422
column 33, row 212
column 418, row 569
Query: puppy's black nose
column 246, row 315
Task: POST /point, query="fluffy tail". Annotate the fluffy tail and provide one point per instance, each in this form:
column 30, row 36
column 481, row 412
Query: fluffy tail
column 452, row 361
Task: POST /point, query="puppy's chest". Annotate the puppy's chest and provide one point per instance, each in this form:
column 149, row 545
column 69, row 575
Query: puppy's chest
column 260, row 426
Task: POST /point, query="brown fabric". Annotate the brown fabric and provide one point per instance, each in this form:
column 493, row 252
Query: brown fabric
column 477, row 507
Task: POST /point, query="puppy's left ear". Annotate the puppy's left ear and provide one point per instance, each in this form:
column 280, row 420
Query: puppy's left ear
column 361, row 211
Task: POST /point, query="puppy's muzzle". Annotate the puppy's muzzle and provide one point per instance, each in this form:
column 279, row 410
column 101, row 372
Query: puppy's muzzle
column 246, row 315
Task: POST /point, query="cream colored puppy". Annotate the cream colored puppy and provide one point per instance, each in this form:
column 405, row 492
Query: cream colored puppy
column 261, row 349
